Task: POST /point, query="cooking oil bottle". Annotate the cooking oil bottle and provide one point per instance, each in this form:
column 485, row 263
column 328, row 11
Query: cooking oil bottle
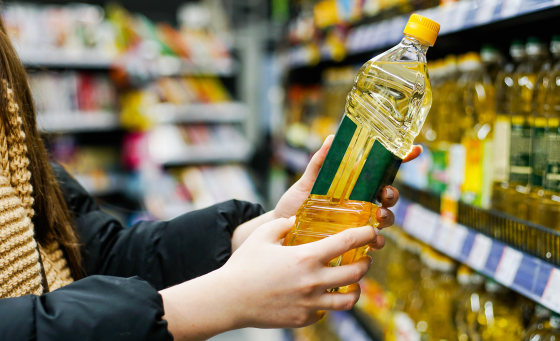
column 539, row 327
column 385, row 111
column 539, row 146
column 549, row 208
column 500, row 314
column 502, row 127
column 467, row 304
column 479, row 105
column 522, row 123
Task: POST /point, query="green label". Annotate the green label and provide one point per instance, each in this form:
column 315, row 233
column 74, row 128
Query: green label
column 538, row 157
column 553, row 160
column 379, row 170
column 334, row 156
column 520, row 153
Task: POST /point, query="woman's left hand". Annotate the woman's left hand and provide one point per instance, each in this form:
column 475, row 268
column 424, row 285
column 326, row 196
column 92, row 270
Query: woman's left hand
column 295, row 196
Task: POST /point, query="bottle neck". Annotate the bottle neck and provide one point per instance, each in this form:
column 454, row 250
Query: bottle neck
column 419, row 44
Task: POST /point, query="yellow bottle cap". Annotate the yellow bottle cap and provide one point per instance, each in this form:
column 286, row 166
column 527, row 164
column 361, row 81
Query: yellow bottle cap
column 422, row 28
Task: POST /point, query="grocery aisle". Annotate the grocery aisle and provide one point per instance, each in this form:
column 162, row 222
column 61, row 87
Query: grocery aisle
column 158, row 109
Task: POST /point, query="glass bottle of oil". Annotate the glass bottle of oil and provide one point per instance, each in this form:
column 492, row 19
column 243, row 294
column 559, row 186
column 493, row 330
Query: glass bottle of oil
column 504, row 98
column 467, row 304
column 385, row 111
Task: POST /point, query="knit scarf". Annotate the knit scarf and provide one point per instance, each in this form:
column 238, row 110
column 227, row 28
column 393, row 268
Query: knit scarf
column 25, row 267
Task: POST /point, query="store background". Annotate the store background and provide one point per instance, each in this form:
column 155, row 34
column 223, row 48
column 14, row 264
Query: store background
column 163, row 107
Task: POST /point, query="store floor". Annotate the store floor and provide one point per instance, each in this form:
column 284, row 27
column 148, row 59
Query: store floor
column 250, row 334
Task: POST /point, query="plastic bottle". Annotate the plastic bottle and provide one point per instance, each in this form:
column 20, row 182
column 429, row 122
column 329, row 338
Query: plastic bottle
column 538, row 329
column 500, row 314
column 467, row 304
column 542, row 123
column 504, row 95
column 549, row 205
column 385, row 111
column 522, row 126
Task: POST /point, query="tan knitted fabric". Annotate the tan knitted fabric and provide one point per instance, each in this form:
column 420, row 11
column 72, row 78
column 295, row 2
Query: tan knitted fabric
column 20, row 263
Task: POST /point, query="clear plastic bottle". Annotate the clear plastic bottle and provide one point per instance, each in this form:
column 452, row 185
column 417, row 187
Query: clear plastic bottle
column 385, row 111
column 500, row 314
column 538, row 329
column 548, row 207
column 504, row 97
column 522, row 126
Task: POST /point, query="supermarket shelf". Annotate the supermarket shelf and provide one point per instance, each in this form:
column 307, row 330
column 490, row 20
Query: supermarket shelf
column 206, row 154
column 454, row 17
column 102, row 185
column 77, row 121
column 63, row 59
column 162, row 66
column 173, row 66
column 232, row 112
column 482, row 244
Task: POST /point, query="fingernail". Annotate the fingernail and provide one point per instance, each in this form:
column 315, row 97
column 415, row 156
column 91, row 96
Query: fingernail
column 292, row 219
column 383, row 214
column 376, row 230
column 389, row 194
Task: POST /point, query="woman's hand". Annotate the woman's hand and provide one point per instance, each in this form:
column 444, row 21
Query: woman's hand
column 295, row 196
column 265, row 284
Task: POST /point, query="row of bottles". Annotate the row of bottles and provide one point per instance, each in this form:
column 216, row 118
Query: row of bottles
column 415, row 293
column 493, row 131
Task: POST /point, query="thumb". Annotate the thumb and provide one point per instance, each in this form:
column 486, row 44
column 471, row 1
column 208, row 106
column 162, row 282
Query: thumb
column 312, row 169
column 277, row 229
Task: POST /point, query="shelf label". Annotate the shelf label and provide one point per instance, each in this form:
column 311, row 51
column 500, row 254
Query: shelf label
column 551, row 295
column 510, row 8
column 485, row 11
column 421, row 223
column 508, row 266
column 479, row 252
column 496, row 252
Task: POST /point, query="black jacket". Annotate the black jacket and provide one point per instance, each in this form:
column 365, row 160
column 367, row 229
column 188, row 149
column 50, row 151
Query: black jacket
column 118, row 300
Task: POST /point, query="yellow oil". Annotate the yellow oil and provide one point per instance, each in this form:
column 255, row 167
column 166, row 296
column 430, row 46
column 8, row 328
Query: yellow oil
column 388, row 103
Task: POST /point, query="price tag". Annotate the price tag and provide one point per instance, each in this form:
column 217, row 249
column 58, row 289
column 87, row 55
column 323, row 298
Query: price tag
column 443, row 236
column 508, row 266
column 485, row 11
column 510, row 8
column 479, row 252
column 551, row 295
column 455, row 243
column 421, row 223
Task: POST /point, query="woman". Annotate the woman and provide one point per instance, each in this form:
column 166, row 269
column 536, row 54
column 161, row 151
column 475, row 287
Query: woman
column 69, row 271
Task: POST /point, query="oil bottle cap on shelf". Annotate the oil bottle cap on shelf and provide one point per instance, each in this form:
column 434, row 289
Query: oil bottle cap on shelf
column 422, row 28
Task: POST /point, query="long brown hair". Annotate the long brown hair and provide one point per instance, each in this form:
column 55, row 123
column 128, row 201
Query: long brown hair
column 52, row 219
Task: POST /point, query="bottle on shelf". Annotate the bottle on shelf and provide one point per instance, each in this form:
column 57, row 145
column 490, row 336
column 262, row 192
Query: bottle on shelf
column 385, row 111
column 502, row 127
column 549, row 205
column 467, row 304
column 478, row 103
column 438, row 286
column 522, row 126
column 500, row 315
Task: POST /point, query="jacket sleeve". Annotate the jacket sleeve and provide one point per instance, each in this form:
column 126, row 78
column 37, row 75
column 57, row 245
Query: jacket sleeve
column 162, row 253
column 93, row 308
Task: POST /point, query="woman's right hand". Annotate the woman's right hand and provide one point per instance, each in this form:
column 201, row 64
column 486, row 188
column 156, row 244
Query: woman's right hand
column 287, row 286
column 267, row 285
